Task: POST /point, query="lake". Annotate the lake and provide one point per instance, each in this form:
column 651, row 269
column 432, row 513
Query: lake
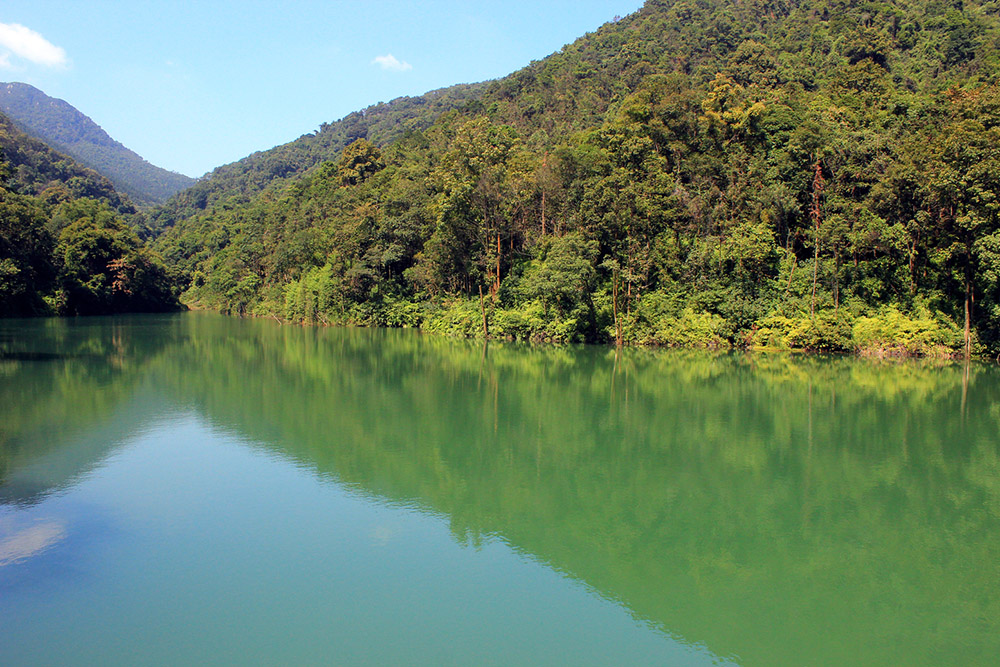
column 193, row 488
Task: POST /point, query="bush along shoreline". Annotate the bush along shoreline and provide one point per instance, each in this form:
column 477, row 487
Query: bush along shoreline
column 886, row 333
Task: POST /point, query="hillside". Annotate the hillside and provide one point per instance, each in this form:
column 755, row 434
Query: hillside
column 35, row 168
column 383, row 123
column 67, row 246
column 68, row 130
column 803, row 174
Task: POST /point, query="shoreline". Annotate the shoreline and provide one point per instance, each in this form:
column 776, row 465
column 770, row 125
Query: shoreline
column 883, row 353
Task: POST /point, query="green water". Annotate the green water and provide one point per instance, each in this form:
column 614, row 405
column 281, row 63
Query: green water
column 197, row 489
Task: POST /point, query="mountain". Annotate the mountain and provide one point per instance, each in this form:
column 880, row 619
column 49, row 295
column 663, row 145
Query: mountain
column 35, row 168
column 238, row 182
column 67, row 246
column 68, row 130
column 812, row 174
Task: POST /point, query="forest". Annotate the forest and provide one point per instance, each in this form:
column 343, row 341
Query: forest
column 67, row 246
column 813, row 175
column 799, row 174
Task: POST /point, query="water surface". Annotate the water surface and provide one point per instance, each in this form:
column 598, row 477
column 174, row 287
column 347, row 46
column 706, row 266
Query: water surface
column 194, row 488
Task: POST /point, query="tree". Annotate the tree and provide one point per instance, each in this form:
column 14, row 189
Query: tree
column 359, row 161
column 26, row 267
column 103, row 267
column 964, row 190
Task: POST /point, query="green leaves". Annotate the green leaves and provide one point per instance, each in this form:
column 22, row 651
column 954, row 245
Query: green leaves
column 102, row 266
column 359, row 161
column 26, row 264
column 563, row 274
column 741, row 162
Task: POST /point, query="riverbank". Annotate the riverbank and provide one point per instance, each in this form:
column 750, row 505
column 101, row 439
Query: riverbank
column 885, row 333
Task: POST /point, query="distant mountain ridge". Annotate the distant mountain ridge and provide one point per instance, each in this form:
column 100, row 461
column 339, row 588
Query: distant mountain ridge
column 66, row 129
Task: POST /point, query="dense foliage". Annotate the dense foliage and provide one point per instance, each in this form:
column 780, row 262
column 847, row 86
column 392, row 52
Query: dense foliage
column 805, row 174
column 66, row 245
column 69, row 131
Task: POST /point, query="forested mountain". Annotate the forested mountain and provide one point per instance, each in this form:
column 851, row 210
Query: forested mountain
column 34, row 168
column 236, row 183
column 818, row 174
column 66, row 243
column 63, row 127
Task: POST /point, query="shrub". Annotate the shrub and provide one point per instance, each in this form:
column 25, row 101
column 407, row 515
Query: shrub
column 891, row 332
column 828, row 331
column 693, row 329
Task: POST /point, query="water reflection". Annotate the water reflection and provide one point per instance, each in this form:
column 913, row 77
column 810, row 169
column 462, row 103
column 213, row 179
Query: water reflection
column 60, row 378
column 779, row 509
column 20, row 542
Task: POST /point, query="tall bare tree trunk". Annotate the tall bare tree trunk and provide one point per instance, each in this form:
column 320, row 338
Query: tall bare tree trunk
column 496, row 285
column 968, row 317
column 614, row 305
column 545, row 165
column 970, row 298
column 816, row 216
column 543, row 213
column 836, row 279
column 482, row 308
column 628, row 296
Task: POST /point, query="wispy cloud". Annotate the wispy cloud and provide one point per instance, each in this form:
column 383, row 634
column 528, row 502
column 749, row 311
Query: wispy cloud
column 391, row 63
column 27, row 44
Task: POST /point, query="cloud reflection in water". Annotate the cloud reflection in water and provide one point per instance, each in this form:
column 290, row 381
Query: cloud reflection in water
column 18, row 543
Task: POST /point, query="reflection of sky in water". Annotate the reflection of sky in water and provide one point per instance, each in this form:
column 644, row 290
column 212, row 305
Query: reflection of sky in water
column 19, row 542
column 54, row 542
column 184, row 532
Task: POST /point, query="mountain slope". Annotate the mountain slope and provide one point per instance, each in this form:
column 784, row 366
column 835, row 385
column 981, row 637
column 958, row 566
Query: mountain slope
column 35, row 168
column 382, row 123
column 816, row 174
column 66, row 242
column 66, row 129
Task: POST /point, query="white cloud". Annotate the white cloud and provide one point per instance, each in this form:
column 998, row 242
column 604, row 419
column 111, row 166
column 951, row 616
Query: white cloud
column 389, row 62
column 5, row 61
column 29, row 45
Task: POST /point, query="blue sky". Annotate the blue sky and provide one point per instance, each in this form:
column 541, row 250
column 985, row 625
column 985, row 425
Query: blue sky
column 191, row 86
